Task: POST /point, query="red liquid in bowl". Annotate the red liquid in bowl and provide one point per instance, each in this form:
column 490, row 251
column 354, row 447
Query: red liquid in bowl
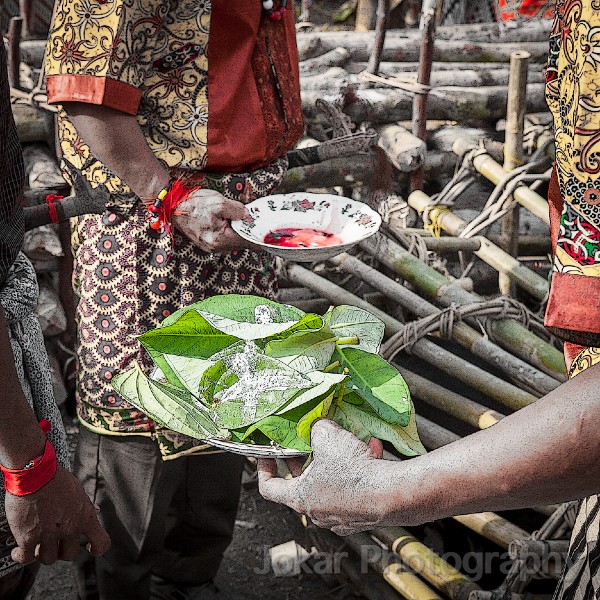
column 293, row 237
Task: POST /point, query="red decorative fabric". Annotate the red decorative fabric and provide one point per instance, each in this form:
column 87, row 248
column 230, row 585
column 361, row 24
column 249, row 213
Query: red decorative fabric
column 94, row 90
column 50, row 200
column 22, row 482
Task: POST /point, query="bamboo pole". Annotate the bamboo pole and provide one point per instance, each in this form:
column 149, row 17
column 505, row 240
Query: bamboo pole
column 493, row 528
column 434, row 436
column 529, row 377
column 508, row 333
column 496, row 388
column 514, row 155
column 421, row 559
column 395, row 573
column 491, row 254
column 468, row 411
column 494, row 172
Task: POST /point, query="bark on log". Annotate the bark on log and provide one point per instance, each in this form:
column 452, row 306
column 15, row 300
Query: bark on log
column 392, row 68
column 405, row 150
column 33, row 124
column 337, row 57
column 309, row 47
column 41, row 169
column 336, row 78
column 459, row 104
column 401, row 48
column 336, row 172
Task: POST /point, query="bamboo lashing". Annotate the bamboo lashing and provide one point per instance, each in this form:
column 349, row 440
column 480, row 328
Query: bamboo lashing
column 491, row 254
column 494, row 172
column 464, row 334
column 496, row 388
column 508, row 333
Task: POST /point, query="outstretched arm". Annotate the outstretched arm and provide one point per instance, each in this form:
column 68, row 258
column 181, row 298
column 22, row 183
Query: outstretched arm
column 117, row 140
column 46, row 524
column 546, row 453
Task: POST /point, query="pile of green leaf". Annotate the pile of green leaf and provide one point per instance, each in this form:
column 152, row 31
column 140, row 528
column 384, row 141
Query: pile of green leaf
column 246, row 369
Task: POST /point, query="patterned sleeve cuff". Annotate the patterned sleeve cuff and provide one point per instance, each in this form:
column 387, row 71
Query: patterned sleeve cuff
column 89, row 89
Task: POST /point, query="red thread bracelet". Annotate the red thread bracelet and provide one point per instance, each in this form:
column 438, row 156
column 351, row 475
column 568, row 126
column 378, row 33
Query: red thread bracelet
column 22, row 482
column 50, row 200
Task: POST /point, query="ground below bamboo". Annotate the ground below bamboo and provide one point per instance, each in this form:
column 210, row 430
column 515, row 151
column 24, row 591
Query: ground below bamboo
column 260, row 525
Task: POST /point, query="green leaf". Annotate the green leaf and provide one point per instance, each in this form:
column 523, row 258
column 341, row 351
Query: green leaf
column 167, row 405
column 282, row 431
column 248, row 386
column 365, row 423
column 188, row 371
column 191, row 336
column 350, row 321
column 306, row 422
column 303, row 351
column 379, row 383
column 322, row 384
column 239, row 308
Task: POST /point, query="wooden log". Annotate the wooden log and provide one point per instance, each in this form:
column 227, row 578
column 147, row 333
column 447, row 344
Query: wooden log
column 493, row 386
column 491, row 254
column 401, row 48
column 508, row 333
column 408, row 68
column 405, row 150
column 33, row 51
column 337, row 57
column 346, row 171
column 337, row 78
column 460, row 104
column 41, row 168
column 33, row 124
column 366, row 13
column 468, row 337
column 309, row 47
column 494, row 172
column 433, row 435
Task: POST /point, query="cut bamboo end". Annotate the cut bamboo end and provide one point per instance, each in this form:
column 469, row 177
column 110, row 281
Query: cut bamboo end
column 493, row 528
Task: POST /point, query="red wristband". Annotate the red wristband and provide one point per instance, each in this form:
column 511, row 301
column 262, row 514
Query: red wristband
column 22, row 482
column 50, row 200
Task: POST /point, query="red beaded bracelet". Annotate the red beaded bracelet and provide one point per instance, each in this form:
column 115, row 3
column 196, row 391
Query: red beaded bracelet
column 36, row 474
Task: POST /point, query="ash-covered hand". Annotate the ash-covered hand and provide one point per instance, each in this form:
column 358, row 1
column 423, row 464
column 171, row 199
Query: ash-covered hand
column 205, row 218
column 47, row 524
column 343, row 489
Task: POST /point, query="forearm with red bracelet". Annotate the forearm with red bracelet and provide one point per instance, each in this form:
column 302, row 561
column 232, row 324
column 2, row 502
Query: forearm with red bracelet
column 162, row 209
column 36, row 474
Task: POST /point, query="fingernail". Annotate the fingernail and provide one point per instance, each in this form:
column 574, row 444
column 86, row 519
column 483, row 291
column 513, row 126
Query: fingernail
column 88, row 547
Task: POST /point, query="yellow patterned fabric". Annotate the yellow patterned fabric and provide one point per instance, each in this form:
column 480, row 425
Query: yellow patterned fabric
column 572, row 94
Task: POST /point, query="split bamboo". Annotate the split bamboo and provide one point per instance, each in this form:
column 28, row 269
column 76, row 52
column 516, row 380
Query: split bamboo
column 527, row 376
column 491, row 254
column 496, row 388
column 514, row 155
column 421, row 559
column 494, row 172
column 508, row 333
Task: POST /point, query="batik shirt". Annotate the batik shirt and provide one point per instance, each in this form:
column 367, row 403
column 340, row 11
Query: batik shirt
column 214, row 84
column 572, row 92
column 11, row 179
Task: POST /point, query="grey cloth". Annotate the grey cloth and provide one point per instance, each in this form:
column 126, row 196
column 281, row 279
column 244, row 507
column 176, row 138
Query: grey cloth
column 18, row 298
column 172, row 518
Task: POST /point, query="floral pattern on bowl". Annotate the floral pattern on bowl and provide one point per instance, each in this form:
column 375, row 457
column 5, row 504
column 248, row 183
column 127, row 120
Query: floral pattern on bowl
column 352, row 221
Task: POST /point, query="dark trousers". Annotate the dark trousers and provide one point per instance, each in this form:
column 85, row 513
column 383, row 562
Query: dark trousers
column 171, row 518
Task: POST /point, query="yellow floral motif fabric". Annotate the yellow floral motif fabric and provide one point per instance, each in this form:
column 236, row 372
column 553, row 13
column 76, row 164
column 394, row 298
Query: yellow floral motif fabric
column 573, row 85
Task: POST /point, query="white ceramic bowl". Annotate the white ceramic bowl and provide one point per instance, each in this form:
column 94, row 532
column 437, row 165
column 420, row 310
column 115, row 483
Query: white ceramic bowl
column 350, row 220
